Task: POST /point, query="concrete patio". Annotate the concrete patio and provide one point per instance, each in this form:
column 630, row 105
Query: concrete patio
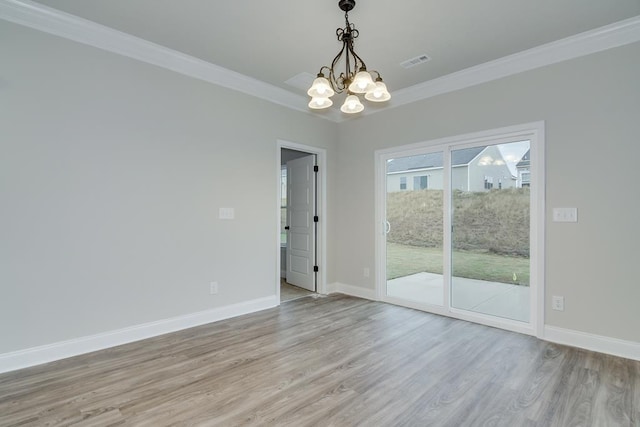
column 493, row 298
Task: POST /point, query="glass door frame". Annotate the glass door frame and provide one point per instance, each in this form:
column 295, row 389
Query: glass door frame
column 534, row 132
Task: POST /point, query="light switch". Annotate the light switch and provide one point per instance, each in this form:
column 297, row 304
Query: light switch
column 565, row 214
column 227, row 213
column 557, row 303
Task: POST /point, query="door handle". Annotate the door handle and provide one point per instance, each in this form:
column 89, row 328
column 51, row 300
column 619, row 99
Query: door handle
column 387, row 227
column 287, row 227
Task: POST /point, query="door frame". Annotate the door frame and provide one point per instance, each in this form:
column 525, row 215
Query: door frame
column 321, row 208
column 535, row 133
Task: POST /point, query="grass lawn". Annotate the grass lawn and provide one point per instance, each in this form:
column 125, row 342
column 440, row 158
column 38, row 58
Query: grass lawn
column 403, row 260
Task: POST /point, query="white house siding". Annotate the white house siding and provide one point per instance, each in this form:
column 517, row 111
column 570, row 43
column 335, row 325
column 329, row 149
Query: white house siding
column 489, row 164
column 434, row 179
column 460, row 178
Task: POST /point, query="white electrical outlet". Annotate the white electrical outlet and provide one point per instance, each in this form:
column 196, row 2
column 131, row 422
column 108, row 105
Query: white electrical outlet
column 213, row 288
column 365, row 272
column 557, row 303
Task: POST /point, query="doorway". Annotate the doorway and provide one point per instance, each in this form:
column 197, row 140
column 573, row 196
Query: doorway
column 301, row 231
column 461, row 222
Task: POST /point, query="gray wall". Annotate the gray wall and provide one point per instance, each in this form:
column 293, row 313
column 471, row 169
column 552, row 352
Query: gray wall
column 112, row 172
column 591, row 106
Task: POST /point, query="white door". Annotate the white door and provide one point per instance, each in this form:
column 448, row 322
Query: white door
column 301, row 209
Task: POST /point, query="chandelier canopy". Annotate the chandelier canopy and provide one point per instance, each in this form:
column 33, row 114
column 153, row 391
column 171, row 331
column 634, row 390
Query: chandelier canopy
column 355, row 79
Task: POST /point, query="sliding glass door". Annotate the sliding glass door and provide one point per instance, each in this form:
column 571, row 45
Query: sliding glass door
column 457, row 220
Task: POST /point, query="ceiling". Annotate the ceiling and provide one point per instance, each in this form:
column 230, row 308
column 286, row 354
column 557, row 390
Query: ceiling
column 274, row 41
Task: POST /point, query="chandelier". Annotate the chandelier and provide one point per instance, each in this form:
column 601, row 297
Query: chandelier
column 355, row 79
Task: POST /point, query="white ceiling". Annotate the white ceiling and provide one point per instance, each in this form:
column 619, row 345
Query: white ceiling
column 273, row 41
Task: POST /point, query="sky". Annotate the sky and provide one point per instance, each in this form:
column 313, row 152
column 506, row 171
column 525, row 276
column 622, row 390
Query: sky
column 512, row 153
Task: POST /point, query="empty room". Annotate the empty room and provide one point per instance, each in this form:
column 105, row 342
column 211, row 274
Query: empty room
column 327, row 213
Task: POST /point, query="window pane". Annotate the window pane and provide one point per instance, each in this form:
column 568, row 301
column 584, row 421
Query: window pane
column 414, row 239
column 490, row 240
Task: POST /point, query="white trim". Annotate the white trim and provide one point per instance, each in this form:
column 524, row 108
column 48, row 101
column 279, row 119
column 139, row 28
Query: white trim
column 354, row 291
column 493, row 321
column 470, row 139
column 380, row 223
column 77, row 346
column 447, row 223
column 321, row 154
column 53, row 21
column 533, row 132
column 599, row 343
column 332, row 288
column 537, row 239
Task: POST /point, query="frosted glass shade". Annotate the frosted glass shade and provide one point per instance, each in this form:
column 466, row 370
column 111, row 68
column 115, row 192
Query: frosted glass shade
column 379, row 93
column 362, row 83
column 352, row 105
column 319, row 103
column 321, row 88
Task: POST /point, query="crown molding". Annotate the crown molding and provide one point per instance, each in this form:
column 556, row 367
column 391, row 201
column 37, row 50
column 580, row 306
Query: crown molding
column 53, row 21
column 603, row 38
column 40, row 17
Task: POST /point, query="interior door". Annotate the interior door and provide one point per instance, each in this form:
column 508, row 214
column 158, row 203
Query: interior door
column 301, row 209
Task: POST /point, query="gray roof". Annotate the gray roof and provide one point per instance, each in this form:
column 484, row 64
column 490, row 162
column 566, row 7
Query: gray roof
column 525, row 161
column 433, row 160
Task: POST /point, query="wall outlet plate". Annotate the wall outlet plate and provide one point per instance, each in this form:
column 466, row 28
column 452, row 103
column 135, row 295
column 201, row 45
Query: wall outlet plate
column 557, row 303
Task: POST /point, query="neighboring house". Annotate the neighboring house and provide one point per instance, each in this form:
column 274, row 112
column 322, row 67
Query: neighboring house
column 474, row 169
column 524, row 170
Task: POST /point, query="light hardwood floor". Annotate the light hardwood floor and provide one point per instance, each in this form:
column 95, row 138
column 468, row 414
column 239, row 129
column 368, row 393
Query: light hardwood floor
column 289, row 292
column 329, row 361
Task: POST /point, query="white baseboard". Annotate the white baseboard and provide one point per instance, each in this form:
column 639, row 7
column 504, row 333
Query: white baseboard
column 355, row 291
column 74, row 347
column 64, row 349
column 599, row 343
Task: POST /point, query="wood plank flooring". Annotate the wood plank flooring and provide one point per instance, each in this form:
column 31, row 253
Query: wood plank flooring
column 329, row 361
column 289, row 292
